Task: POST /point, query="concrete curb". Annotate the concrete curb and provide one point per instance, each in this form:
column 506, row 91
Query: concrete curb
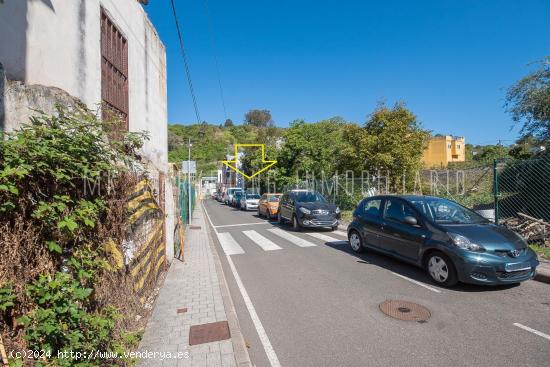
column 239, row 346
column 543, row 272
column 542, row 277
column 343, row 226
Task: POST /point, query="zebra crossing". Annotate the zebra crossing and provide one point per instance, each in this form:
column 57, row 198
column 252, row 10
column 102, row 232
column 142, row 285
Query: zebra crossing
column 232, row 243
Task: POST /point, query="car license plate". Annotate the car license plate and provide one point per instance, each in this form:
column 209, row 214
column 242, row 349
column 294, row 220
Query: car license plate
column 517, row 266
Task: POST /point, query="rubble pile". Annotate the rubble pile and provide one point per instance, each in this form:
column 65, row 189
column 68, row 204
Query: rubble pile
column 532, row 229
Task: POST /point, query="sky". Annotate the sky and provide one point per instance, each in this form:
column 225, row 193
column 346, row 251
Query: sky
column 450, row 61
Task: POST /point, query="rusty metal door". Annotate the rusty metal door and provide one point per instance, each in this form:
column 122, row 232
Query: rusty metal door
column 114, row 71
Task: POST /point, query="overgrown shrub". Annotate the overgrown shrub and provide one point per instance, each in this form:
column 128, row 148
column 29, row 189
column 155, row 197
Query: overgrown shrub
column 63, row 190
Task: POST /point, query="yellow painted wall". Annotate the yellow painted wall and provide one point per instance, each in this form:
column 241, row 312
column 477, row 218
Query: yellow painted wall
column 443, row 149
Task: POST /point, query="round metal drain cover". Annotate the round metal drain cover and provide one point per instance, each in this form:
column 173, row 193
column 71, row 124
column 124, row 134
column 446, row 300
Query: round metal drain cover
column 406, row 311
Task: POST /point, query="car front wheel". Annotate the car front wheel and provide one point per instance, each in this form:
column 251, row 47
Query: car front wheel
column 355, row 242
column 441, row 269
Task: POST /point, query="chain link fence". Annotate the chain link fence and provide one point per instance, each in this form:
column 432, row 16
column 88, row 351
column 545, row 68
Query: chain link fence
column 515, row 193
column 183, row 192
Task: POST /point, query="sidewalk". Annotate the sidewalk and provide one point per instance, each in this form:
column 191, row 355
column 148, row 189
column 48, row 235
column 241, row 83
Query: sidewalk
column 193, row 294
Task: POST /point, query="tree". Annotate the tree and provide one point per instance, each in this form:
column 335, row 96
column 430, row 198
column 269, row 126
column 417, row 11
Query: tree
column 391, row 142
column 488, row 153
column 228, row 123
column 311, row 147
column 525, row 147
column 528, row 101
column 258, row 118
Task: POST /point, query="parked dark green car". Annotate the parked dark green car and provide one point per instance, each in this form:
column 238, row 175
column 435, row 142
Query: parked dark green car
column 450, row 241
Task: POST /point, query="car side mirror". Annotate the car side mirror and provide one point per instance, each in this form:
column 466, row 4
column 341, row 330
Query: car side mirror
column 411, row 221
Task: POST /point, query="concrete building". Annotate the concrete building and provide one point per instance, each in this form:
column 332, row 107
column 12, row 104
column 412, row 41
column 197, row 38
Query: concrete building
column 105, row 53
column 444, row 149
column 229, row 177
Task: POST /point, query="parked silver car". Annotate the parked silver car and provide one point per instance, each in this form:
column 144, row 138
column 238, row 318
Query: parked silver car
column 250, row 201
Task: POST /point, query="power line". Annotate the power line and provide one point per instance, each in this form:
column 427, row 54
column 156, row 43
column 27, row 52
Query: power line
column 214, row 51
column 186, row 63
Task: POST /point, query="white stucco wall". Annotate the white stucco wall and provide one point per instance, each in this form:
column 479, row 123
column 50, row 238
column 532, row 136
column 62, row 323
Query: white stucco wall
column 62, row 49
column 57, row 43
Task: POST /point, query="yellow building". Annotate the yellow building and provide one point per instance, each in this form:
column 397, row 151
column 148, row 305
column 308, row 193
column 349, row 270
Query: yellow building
column 444, row 149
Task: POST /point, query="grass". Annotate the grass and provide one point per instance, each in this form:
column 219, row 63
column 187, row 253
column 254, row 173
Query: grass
column 541, row 250
column 346, row 215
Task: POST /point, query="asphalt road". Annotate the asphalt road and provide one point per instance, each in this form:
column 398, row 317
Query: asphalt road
column 318, row 304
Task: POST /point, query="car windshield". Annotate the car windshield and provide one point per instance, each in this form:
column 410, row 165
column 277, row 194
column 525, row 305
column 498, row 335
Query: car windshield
column 445, row 211
column 274, row 199
column 253, row 196
column 309, row 197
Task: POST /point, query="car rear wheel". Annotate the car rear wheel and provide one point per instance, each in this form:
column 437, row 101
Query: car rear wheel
column 295, row 224
column 441, row 269
column 355, row 241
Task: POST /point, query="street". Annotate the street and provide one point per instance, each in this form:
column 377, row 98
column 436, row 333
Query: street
column 310, row 301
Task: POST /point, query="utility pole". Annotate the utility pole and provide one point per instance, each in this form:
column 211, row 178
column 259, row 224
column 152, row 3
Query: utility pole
column 189, row 180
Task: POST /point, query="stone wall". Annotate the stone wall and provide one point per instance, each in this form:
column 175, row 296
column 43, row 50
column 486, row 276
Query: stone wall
column 18, row 102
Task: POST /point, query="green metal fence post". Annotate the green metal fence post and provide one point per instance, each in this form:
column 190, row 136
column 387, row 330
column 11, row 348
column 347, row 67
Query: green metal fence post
column 495, row 190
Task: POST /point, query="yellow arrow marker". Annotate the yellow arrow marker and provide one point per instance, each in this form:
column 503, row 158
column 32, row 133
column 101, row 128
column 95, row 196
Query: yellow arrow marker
column 234, row 167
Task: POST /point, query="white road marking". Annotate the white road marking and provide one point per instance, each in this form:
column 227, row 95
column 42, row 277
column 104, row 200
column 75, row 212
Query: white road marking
column 264, row 339
column 261, row 241
column 269, row 351
column 418, row 283
column 241, row 224
column 341, row 233
column 291, row 238
column 326, row 238
column 536, row 332
column 229, row 245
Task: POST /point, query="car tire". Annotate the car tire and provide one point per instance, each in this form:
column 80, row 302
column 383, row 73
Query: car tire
column 334, row 228
column 295, row 224
column 280, row 219
column 355, row 241
column 260, row 213
column 441, row 269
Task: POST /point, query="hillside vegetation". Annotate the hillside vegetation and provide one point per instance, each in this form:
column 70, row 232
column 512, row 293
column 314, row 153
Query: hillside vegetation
column 212, row 143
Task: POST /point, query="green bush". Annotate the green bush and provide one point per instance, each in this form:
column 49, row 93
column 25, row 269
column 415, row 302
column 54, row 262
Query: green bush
column 56, row 177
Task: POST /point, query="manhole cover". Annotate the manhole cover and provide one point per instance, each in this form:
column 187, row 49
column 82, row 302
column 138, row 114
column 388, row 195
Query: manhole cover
column 406, row 311
column 206, row 333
